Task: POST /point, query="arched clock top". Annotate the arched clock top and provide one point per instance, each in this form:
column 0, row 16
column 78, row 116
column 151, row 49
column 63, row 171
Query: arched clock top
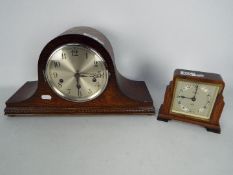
column 50, row 95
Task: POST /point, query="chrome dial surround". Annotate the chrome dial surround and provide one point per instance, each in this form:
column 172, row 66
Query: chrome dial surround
column 76, row 72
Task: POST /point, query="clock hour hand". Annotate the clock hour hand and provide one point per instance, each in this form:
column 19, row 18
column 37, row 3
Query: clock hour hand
column 181, row 96
column 77, row 76
column 193, row 98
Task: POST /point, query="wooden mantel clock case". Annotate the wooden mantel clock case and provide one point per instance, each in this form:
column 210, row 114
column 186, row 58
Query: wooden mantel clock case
column 77, row 75
column 194, row 97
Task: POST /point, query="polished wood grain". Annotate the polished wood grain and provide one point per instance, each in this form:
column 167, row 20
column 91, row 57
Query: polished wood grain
column 121, row 96
column 212, row 124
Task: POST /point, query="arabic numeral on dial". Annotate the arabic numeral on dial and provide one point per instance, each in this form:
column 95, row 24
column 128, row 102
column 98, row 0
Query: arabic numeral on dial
column 98, row 84
column 56, row 64
column 63, row 55
column 89, row 91
column 59, row 85
column 74, row 52
column 95, row 63
column 55, row 74
column 68, row 91
column 100, row 74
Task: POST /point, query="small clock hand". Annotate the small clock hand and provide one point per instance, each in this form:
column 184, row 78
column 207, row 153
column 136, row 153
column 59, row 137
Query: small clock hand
column 93, row 75
column 85, row 75
column 81, row 75
column 77, row 76
column 78, row 86
column 194, row 97
column 196, row 90
column 181, row 96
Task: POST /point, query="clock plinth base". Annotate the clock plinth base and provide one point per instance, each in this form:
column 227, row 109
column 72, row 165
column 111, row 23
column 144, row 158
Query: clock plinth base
column 28, row 101
column 166, row 116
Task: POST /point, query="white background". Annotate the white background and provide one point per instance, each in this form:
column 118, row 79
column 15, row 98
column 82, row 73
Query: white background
column 151, row 38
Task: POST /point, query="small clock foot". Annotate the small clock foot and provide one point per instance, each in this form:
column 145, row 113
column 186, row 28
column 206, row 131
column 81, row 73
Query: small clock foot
column 218, row 131
column 162, row 119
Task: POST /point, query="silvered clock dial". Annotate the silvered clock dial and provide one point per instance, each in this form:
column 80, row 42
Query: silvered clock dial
column 76, row 72
column 194, row 98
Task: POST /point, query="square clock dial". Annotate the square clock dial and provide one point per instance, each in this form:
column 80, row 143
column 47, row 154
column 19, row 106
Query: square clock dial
column 194, row 99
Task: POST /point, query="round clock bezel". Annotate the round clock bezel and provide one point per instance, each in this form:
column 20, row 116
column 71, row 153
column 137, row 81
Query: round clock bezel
column 63, row 95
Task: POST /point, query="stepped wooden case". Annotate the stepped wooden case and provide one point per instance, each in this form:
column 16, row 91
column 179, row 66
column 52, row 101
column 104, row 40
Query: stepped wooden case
column 212, row 122
column 121, row 95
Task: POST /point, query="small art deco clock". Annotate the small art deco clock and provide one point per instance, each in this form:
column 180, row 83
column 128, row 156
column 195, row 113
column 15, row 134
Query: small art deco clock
column 194, row 97
column 77, row 75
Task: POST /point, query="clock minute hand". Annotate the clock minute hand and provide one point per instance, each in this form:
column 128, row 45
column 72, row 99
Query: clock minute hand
column 194, row 97
column 86, row 75
column 93, row 75
column 82, row 75
column 196, row 90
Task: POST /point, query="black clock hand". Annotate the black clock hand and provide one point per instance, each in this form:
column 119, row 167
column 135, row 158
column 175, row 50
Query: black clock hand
column 79, row 87
column 194, row 97
column 77, row 76
column 196, row 91
column 93, row 75
column 181, row 96
column 81, row 75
